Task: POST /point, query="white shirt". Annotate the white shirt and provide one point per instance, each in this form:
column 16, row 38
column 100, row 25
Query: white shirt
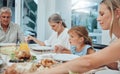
column 62, row 39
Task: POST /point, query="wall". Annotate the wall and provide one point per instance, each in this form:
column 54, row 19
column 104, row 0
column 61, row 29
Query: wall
column 45, row 9
column 41, row 19
column 105, row 37
column 18, row 9
column 50, row 9
column 63, row 7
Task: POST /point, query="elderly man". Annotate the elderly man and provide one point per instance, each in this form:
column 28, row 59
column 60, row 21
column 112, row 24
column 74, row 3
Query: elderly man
column 9, row 31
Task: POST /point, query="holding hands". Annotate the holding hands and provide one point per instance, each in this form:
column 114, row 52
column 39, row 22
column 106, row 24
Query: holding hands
column 61, row 49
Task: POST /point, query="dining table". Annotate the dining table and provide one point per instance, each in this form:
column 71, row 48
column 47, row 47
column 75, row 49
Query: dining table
column 42, row 52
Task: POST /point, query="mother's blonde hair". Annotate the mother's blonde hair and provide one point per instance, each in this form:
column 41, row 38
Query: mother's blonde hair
column 112, row 5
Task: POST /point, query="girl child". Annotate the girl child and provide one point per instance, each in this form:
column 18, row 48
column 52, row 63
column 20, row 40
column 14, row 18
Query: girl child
column 81, row 43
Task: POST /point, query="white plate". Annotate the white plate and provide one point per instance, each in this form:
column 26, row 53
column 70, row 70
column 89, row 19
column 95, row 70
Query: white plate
column 41, row 48
column 7, row 44
column 108, row 72
column 64, row 57
column 1, row 62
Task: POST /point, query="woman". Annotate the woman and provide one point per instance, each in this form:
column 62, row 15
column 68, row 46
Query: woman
column 81, row 43
column 109, row 18
column 59, row 36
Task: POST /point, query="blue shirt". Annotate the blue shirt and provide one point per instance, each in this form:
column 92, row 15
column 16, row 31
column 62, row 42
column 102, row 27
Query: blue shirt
column 81, row 53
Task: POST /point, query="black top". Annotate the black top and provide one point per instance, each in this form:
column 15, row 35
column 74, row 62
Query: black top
column 99, row 46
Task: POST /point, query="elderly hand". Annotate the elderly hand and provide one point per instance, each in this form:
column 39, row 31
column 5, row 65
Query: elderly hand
column 29, row 38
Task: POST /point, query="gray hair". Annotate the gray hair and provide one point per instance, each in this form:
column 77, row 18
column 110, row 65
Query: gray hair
column 56, row 18
column 5, row 9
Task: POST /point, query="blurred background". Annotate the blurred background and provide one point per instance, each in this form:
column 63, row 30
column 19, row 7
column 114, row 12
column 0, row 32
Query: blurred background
column 32, row 16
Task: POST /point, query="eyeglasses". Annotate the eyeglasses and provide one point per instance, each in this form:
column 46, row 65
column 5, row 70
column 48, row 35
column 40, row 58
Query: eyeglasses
column 6, row 17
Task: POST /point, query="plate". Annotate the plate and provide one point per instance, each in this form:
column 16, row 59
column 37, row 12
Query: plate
column 7, row 49
column 1, row 62
column 41, row 48
column 7, row 44
column 64, row 57
column 108, row 72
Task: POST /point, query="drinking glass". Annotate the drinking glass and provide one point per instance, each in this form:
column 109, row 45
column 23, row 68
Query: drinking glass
column 3, row 59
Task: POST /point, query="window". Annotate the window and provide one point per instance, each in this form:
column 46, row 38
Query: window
column 84, row 12
column 29, row 13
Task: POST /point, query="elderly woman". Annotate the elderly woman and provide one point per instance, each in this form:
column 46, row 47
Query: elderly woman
column 9, row 31
column 59, row 36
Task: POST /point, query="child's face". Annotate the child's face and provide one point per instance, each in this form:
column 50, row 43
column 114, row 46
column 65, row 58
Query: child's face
column 74, row 39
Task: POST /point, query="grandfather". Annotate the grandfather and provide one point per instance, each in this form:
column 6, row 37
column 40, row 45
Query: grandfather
column 9, row 31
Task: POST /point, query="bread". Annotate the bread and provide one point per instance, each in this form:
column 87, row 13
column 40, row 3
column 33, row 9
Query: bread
column 47, row 62
column 21, row 54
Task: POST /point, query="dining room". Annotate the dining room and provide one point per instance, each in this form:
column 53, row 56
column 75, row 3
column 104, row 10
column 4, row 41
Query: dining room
column 37, row 52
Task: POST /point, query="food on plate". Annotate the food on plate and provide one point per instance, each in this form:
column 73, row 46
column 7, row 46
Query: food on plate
column 33, row 66
column 7, row 49
column 21, row 54
column 48, row 62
